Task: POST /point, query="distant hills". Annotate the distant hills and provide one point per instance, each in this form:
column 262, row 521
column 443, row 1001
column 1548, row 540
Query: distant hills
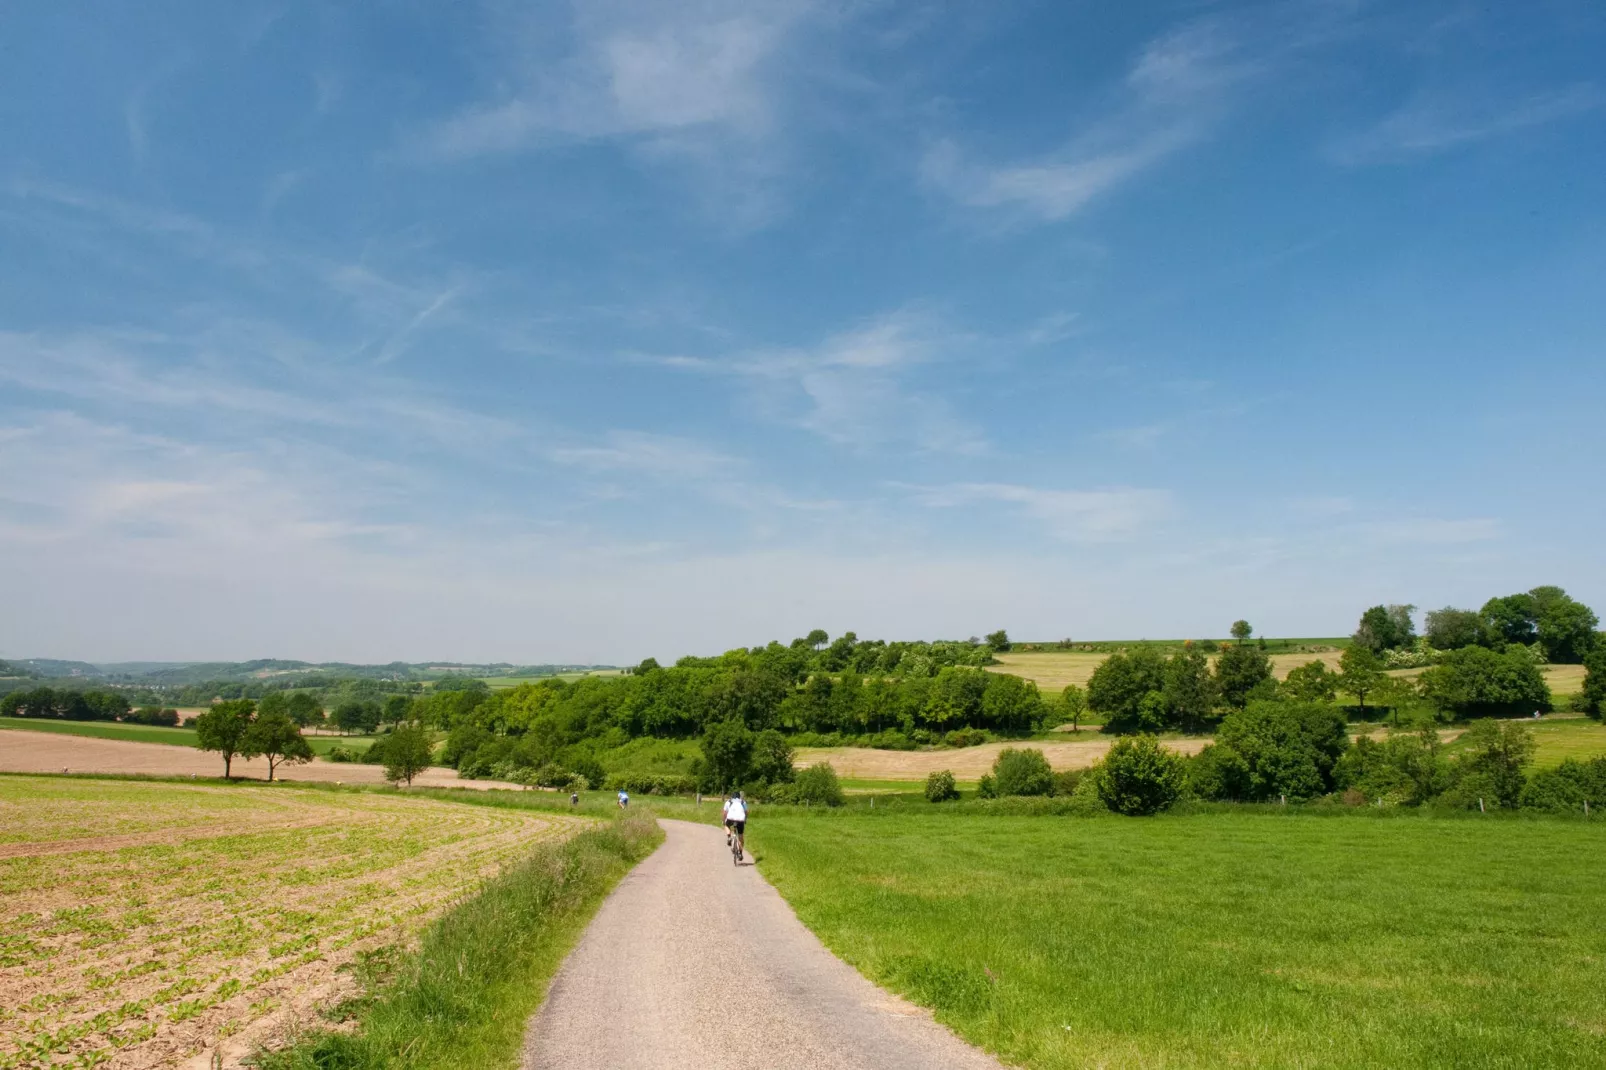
column 179, row 673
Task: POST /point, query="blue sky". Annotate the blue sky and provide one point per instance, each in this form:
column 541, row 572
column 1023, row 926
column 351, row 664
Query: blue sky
column 548, row 332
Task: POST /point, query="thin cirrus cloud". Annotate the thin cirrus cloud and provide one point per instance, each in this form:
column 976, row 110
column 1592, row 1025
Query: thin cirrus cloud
column 1434, row 124
column 1070, row 515
column 856, row 388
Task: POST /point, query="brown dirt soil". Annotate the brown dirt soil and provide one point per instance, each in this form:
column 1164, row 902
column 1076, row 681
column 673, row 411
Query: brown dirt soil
column 225, row 933
column 50, row 752
column 966, row 763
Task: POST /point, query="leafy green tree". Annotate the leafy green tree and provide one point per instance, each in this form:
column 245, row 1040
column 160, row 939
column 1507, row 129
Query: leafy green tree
column 223, row 729
column 1567, row 788
column 1190, row 691
column 1512, row 619
column 357, row 716
column 941, row 787
column 1311, row 682
column 1009, row 703
column 646, row 666
column 304, row 708
column 1408, row 767
column 1241, row 630
column 817, row 638
column 1119, row 685
column 1289, row 748
column 398, row 708
column 408, row 751
column 998, row 642
column 1451, row 629
column 1073, row 704
column 772, row 758
column 1139, row 777
column 1566, row 627
column 727, row 752
column 276, row 737
column 1360, row 672
column 818, row 786
column 1219, row 773
column 1386, row 628
column 1592, row 699
column 1022, row 772
column 1243, row 672
column 1478, row 682
column 1498, row 753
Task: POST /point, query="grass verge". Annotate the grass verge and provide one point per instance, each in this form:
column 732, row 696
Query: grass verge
column 481, row 969
column 1245, row 939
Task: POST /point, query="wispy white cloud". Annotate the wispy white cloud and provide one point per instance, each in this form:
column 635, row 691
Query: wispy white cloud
column 1174, row 94
column 856, row 388
column 1073, row 515
column 660, row 456
column 1439, row 123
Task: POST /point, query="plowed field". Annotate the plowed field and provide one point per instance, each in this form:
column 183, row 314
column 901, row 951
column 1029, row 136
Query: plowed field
column 142, row 925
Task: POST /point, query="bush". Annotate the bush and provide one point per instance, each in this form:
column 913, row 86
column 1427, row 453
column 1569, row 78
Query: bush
column 341, row 754
column 940, row 787
column 1066, row 782
column 651, row 783
column 1566, row 788
column 1022, row 772
column 987, row 788
column 1494, row 760
column 966, row 737
column 152, row 715
column 891, row 739
column 1139, row 777
column 818, row 786
column 1289, row 748
column 1218, row 773
column 1478, row 682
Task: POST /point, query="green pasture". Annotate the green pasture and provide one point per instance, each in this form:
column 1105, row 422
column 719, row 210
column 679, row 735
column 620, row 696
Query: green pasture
column 139, row 733
column 1245, row 939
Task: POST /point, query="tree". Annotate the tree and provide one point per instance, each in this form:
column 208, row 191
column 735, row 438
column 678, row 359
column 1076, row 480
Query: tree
column 1139, row 777
column 1243, row 672
column 727, row 750
column 276, row 737
column 1566, row 627
column 273, row 702
column 408, row 751
column 398, row 708
column 304, row 708
column 819, row 786
column 1189, row 690
column 1497, row 754
column 817, row 638
column 998, row 641
column 1512, row 619
column 1119, row 685
column 772, row 758
column 648, row 665
column 1593, row 696
column 1241, row 630
column 1312, row 682
column 357, row 716
column 223, row 727
column 1022, row 772
column 1073, row 701
column 1386, row 628
column 1477, row 682
column 1288, row 748
column 1451, row 629
column 1361, row 670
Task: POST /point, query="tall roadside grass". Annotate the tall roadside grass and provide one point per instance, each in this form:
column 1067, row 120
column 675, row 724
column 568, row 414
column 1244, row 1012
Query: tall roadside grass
column 482, row 968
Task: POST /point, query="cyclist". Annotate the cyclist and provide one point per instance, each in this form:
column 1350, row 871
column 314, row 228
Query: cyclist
column 624, row 798
column 735, row 818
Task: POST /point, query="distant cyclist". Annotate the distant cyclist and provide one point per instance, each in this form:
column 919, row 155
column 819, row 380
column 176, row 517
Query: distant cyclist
column 624, row 798
column 736, row 819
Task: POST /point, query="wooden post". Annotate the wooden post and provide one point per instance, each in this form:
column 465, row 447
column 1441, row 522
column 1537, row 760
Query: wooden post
column 1481, row 810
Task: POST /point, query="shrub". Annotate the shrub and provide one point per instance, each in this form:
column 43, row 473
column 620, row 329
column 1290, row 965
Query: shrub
column 340, row 754
column 987, row 788
column 1404, row 768
column 818, row 786
column 940, row 787
column 152, row 715
column 1566, row 788
column 772, row 758
column 1066, row 781
column 651, row 783
column 891, row 739
column 965, row 737
column 1218, row 772
column 1494, row 761
column 1022, row 772
column 1288, row 747
column 1139, row 777
column 1592, row 699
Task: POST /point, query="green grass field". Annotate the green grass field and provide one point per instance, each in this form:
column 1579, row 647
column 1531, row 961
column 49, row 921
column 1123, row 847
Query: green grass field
column 138, row 733
column 1219, row 939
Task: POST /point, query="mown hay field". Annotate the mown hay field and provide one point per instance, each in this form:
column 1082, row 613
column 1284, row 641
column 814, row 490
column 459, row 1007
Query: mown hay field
column 1218, row 939
column 1052, row 670
column 141, row 923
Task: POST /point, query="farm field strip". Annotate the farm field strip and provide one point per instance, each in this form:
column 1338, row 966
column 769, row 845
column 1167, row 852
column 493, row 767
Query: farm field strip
column 178, row 737
column 236, row 921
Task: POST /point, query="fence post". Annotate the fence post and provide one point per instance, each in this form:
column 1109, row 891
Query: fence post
column 1481, row 810
column 1285, row 800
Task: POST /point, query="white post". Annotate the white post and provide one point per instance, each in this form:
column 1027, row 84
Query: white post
column 1481, row 810
column 1285, row 800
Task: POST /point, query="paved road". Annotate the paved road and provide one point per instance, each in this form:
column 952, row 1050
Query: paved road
column 695, row 963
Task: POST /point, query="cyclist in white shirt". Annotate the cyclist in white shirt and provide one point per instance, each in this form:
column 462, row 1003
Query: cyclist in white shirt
column 735, row 817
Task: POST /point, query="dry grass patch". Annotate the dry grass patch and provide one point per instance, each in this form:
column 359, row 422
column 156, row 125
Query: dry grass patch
column 141, row 924
column 1051, row 671
column 966, row 763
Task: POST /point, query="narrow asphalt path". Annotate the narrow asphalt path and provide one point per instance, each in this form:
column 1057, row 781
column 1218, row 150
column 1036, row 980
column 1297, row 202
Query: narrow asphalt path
column 695, row 963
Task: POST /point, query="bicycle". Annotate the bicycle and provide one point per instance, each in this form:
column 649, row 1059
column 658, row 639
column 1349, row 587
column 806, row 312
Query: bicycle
column 738, row 842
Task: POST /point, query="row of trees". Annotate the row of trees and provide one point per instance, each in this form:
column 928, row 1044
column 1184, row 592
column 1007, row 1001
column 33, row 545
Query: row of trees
column 1563, row 628
column 241, row 728
column 65, row 704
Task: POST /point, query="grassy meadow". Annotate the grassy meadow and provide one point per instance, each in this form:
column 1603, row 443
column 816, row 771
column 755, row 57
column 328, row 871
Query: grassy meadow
column 1246, row 939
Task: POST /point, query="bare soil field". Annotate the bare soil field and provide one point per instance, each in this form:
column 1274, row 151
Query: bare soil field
column 42, row 752
column 146, row 925
column 1053, row 670
column 966, row 763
